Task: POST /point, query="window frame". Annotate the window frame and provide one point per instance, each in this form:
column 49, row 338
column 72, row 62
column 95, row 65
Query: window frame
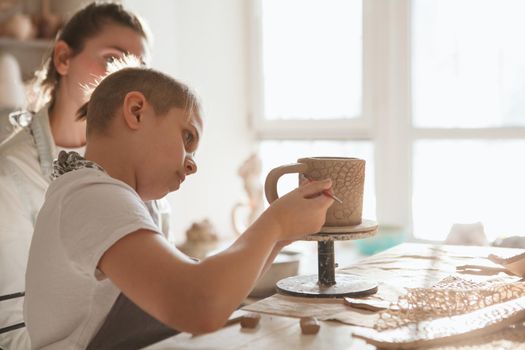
column 358, row 127
column 380, row 114
column 386, row 118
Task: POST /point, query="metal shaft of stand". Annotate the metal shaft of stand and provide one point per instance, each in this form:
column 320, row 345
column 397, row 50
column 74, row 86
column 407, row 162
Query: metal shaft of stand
column 326, row 263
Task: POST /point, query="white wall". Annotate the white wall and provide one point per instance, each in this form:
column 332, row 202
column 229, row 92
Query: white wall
column 204, row 44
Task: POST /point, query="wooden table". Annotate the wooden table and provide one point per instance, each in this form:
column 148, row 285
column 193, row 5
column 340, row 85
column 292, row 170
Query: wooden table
column 407, row 265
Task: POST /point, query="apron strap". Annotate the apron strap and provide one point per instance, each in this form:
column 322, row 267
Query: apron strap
column 17, row 325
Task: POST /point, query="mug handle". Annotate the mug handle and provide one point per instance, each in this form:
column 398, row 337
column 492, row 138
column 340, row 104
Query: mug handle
column 270, row 185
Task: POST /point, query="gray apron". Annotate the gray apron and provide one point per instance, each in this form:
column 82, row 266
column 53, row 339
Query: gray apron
column 128, row 327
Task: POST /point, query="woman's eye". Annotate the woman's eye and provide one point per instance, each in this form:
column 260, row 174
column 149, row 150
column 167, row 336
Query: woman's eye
column 110, row 59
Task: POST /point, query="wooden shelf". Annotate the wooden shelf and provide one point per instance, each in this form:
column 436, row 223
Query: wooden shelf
column 21, row 44
column 28, row 53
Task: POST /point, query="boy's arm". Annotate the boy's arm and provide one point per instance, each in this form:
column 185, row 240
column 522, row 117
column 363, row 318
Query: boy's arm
column 276, row 249
column 199, row 297
column 185, row 295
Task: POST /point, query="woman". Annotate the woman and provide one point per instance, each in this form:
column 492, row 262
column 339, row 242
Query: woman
column 94, row 36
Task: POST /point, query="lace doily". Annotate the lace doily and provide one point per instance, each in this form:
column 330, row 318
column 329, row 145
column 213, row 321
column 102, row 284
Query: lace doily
column 449, row 297
column 453, row 314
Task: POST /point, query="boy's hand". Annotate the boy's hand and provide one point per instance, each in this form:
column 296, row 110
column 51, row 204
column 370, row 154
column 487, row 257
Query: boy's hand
column 302, row 211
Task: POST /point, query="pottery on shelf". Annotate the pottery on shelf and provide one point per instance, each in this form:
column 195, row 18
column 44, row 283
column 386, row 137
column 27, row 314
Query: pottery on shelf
column 201, row 238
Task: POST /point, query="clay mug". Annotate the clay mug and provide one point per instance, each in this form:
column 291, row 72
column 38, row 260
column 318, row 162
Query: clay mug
column 347, row 174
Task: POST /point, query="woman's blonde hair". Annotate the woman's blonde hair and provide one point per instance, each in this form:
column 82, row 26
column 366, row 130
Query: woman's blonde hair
column 85, row 24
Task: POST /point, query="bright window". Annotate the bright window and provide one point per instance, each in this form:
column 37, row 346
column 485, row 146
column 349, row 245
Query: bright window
column 468, row 63
column 430, row 92
column 468, row 71
column 311, row 59
column 466, row 181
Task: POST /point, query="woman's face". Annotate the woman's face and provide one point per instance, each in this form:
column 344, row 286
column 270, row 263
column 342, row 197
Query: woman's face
column 113, row 41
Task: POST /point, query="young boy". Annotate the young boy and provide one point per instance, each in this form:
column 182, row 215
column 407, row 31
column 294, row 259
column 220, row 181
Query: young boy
column 94, row 36
column 99, row 274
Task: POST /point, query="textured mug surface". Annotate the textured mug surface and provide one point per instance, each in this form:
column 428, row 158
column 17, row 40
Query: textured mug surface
column 347, row 174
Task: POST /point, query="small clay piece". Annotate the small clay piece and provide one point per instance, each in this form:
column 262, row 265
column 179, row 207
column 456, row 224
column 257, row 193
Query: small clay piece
column 309, row 325
column 250, row 320
column 233, row 320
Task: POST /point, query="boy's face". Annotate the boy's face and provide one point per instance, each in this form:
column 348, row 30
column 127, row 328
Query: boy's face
column 172, row 141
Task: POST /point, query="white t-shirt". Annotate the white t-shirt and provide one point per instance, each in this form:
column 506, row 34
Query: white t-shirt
column 67, row 299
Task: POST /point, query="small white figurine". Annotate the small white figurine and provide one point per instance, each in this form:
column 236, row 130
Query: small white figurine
column 250, row 172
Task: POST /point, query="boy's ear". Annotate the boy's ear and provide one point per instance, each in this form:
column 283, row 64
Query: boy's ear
column 133, row 108
column 61, row 57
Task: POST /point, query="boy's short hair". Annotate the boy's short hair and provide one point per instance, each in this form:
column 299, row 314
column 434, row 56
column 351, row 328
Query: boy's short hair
column 160, row 90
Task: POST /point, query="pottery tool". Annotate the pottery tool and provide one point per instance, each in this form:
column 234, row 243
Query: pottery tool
column 328, row 193
column 333, row 196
